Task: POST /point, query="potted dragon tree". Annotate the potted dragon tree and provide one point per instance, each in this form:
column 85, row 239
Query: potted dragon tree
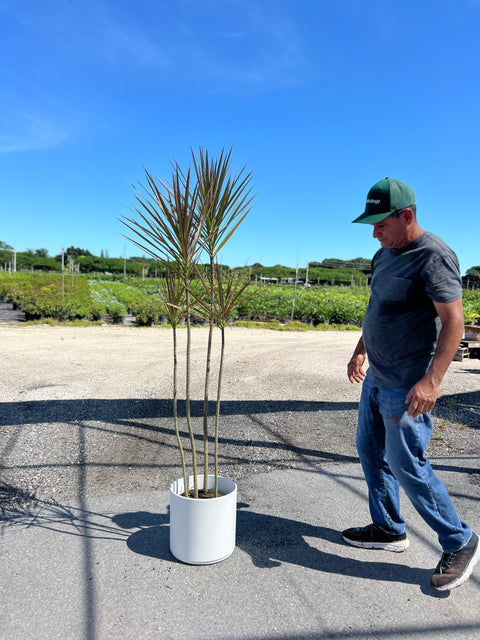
column 180, row 223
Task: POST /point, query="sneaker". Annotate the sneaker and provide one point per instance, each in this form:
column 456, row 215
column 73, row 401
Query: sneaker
column 455, row 568
column 372, row 537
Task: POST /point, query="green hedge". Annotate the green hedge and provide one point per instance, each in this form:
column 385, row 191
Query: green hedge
column 317, row 305
column 70, row 297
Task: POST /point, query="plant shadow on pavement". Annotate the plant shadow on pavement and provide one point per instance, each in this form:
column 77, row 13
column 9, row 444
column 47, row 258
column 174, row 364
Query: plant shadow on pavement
column 271, row 541
column 147, row 422
column 23, row 510
column 110, row 410
column 462, row 407
column 129, row 417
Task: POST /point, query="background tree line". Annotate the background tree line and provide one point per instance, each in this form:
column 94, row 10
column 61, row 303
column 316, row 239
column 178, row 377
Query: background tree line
column 328, row 271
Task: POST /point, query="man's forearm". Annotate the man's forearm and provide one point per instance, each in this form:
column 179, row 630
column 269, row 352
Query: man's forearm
column 447, row 345
column 422, row 396
column 451, row 315
column 359, row 349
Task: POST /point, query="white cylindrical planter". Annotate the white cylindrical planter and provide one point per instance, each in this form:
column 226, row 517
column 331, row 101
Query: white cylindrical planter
column 202, row 531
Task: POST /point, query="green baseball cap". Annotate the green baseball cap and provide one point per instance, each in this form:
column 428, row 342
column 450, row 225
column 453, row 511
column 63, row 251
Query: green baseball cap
column 384, row 198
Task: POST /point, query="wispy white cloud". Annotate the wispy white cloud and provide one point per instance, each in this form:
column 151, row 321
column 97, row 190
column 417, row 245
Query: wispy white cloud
column 30, row 131
column 120, row 44
column 247, row 45
column 31, row 119
column 222, row 38
column 96, row 30
column 70, row 56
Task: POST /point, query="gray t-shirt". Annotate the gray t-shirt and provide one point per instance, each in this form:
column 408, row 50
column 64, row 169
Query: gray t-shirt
column 401, row 325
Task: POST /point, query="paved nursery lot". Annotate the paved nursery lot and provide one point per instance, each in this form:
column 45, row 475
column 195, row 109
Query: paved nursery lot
column 88, row 410
column 88, row 452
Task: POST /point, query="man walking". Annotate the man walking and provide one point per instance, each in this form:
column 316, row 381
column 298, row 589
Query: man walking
column 412, row 328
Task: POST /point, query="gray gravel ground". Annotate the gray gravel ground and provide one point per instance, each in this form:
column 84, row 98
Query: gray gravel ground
column 87, row 411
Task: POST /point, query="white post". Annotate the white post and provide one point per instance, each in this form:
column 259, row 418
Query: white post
column 294, row 291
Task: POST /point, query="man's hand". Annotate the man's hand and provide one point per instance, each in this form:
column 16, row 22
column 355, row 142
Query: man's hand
column 422, row 397
column 355, row 370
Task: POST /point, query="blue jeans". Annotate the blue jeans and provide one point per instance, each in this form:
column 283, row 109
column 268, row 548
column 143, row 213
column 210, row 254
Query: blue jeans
column 391, row 446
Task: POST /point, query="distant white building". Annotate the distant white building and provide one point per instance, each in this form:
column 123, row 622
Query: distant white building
column 265, row 280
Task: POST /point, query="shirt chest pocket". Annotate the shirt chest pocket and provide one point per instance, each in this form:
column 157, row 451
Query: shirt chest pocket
column 401, row 296
column 401, row 289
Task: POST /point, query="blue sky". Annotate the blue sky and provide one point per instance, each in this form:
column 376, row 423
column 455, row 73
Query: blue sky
column 320, row 99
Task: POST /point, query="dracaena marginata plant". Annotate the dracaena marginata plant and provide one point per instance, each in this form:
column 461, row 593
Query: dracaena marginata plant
column 177, row 224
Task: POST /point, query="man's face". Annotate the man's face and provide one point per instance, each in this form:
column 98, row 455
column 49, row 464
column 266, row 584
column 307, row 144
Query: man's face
column 391, row 232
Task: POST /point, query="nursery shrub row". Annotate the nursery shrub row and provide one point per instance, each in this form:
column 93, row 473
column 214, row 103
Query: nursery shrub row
column 329, row 305
column 51, row 296
column 471, row 306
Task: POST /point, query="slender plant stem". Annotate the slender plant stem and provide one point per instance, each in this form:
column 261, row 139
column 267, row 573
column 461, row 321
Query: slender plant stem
column 211, row 281
column 217, row 415
column 187, row 391
column 205, row 407
column 175, row 412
